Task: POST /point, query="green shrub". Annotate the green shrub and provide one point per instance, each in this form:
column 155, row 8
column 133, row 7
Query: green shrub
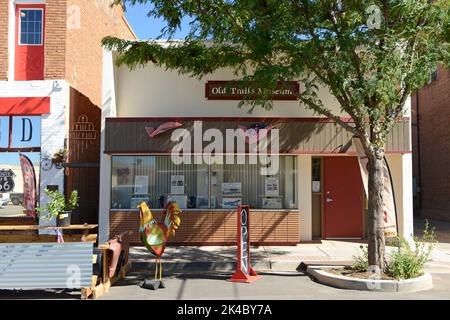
column 57, row 203
column 406, row 262
column 361, row 262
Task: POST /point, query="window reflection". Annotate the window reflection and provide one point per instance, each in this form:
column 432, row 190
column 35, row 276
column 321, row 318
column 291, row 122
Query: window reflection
column 11, row 183
column 157, row 180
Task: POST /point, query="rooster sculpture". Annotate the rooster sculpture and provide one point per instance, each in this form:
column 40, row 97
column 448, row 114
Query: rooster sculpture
column 154, row 234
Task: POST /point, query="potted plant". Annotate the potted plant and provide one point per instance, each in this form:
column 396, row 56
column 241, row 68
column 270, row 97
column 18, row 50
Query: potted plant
column 59, row 158
column 60, row 207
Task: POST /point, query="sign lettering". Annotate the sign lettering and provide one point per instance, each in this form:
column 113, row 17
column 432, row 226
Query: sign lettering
column 7, row 180
column 244, row 271
column 25, row 132
column 244, row 240
column 238, row 90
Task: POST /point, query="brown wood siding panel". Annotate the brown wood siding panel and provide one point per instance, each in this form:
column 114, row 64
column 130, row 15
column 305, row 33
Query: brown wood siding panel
column 211, row 227
column 129, row 135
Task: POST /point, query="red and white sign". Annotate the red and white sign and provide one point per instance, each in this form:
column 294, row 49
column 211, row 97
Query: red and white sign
column 29, row 185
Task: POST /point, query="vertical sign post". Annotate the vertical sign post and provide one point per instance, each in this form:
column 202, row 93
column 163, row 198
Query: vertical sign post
column 244, row 270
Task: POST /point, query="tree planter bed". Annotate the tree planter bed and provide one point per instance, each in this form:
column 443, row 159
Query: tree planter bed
column 323, row 276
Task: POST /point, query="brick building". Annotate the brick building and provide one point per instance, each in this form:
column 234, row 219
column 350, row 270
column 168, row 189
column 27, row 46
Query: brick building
column 431, row 146
column 51, row 65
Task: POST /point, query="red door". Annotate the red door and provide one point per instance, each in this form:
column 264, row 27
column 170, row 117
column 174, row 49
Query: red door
column 29, row 48
column 343, row 202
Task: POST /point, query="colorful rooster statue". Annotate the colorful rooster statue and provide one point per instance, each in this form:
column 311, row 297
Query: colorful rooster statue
column 154, row 234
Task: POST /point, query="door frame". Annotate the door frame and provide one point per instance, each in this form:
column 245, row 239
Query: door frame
column 363, row 209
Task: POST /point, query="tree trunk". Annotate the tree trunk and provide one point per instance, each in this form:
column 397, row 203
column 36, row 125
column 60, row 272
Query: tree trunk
column 376, row 240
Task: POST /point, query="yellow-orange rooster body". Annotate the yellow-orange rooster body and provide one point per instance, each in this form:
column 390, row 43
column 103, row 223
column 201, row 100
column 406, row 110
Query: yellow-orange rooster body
column 154, row 234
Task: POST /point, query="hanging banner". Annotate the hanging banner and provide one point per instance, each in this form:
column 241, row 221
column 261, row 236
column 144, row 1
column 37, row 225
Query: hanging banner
column 29, row 185
column 244, row 270
column 389, row 210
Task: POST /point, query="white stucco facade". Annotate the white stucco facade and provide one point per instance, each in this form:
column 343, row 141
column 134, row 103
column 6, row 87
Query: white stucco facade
column 153, row 92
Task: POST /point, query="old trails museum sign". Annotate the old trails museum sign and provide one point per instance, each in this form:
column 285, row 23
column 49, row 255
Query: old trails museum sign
column 239, row 90
column 244, row 271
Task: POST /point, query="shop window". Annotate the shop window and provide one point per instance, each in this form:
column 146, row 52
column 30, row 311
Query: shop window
column 316, row 175
column 19, row 135
column 30, row 26
column 12, row 183
column 30, row 41
column 156, row 180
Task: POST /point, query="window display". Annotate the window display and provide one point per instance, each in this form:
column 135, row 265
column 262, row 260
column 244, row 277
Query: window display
column 157, row 180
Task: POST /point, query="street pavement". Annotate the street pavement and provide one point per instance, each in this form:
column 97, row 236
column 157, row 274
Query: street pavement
column 201, row 273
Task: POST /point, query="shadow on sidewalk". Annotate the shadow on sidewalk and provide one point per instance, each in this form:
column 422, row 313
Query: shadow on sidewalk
column 39, row 294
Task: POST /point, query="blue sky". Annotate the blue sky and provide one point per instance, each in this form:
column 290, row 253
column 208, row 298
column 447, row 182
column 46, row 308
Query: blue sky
column 149, row 28
column 12, row 158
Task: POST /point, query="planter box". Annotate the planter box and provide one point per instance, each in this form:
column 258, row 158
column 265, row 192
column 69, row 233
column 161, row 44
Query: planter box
column 423, row 282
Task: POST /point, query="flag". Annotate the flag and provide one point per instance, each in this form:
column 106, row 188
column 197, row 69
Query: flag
column 389, row 210
column 29, row 185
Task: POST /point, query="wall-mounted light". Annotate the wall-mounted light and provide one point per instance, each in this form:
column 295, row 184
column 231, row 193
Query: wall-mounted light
column 56, row 86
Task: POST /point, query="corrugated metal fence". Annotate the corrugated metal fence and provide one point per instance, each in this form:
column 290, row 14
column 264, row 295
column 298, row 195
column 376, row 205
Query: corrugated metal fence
column 46, row 265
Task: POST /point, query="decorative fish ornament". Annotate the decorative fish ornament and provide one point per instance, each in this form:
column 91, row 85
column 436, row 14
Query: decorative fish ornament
column 153, row 132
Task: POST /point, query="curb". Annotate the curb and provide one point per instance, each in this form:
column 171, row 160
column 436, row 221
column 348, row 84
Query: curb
column 230, row 265
column 423, row 282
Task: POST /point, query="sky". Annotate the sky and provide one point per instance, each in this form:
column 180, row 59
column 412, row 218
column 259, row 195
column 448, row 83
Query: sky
column 149, row 28
column 12, row 158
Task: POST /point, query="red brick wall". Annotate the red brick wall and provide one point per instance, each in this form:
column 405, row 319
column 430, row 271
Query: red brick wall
column 74, row 54
column 216, row 227
column 3, row 40
column 434, row 137
column 84, row 51
column 55, row 39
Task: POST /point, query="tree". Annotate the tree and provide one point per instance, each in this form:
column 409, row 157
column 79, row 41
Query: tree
column 370, row 55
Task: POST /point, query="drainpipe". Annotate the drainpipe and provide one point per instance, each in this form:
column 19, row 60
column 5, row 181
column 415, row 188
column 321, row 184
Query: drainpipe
column 419, row 178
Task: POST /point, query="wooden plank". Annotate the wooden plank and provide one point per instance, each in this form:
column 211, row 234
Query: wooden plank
column 36, row 227
column 25, row 238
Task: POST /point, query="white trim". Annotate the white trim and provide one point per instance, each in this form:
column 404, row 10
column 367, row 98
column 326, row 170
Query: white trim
column 304, row 195
column 19, row 23
column 29, row 1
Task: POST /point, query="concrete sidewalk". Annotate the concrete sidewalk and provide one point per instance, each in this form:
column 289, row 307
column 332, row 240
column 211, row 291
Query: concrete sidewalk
column 265, row 258
column 223, row 258
column 282, row 258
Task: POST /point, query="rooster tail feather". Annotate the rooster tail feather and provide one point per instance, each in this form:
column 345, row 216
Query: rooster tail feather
column 171, row 218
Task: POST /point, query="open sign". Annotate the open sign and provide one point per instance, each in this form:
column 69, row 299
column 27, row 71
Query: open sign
column 244, row 271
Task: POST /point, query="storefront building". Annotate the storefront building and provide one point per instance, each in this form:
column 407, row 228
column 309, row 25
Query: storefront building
column 50, row 96
column 158, row 128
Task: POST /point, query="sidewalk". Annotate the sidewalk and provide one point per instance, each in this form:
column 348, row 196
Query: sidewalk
column 264, row 258
column 268, row 258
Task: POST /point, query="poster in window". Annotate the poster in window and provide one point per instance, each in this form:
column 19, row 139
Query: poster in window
column 140, row 184
column 177, row 184
column 181, row 200
column 272, row 203
column 316, row 186
column 231, row 188
column 135, row 201
column 272, row 186
column 231, row 202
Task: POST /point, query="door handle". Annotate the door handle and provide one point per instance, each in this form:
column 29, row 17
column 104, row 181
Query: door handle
column 329, row 200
